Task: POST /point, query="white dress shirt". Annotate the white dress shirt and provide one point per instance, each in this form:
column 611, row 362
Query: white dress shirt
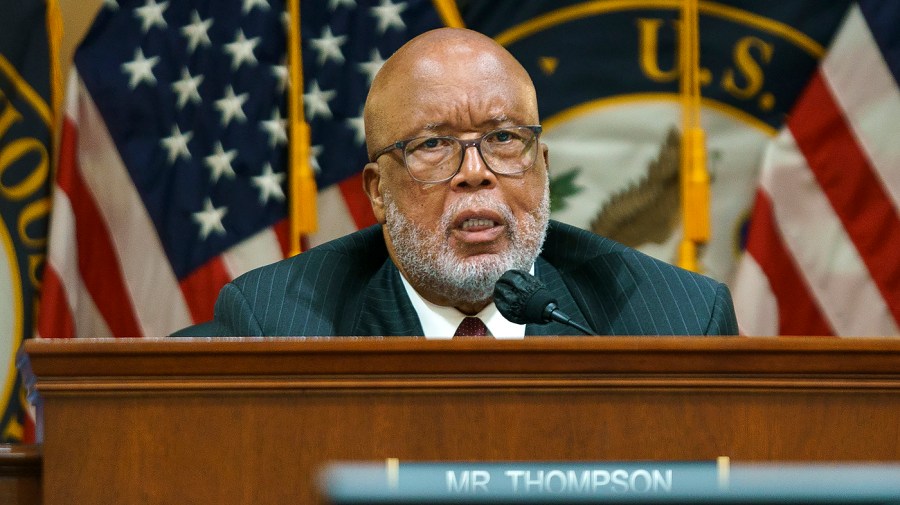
column 440, row 323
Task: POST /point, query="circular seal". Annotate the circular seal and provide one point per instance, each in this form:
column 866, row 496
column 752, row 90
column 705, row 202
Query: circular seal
column 11, row 315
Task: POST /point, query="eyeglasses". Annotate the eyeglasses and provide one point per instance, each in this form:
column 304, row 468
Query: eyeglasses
column 508, row 151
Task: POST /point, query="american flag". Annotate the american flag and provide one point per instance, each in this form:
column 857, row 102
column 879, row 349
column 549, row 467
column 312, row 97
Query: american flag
column 345, row 42
column 173, row 159
column 824, row 241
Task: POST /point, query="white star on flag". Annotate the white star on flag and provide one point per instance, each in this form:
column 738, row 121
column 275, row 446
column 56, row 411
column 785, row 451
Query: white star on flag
column 250, row 4
column 281, row 74
column 219, row 163
column 314, row 152
column 316, row 101
column 359, row 127
column 388, row 15
column 151, row 14
column 269, row 184
column 334, row 4
column 140, row 69
column 276, row 129
column 187, row 88
column 210, row 219
column 231, row 106
column 177, row 144
column 329, row 46
column 197, row 32
column 241, row 50
column 371, row 67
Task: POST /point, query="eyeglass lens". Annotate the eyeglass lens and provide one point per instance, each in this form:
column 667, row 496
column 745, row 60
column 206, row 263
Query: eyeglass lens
column 505, row 151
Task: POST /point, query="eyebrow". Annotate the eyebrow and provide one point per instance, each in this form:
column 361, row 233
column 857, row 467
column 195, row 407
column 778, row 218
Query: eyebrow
column 493, row 122
column 503, row 118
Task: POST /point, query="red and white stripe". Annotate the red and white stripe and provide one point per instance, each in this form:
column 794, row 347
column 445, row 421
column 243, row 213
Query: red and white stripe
column 107, row 273
column 825, row 231
column 343, row 208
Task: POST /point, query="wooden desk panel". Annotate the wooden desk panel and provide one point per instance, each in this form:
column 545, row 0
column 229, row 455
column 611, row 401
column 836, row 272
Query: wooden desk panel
column 20, row 474
column 203, row 421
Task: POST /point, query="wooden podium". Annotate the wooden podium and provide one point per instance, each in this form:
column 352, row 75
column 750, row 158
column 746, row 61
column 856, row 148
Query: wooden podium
column 253, row 420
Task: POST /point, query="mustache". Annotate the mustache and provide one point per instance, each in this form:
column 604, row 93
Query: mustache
column 482, row 201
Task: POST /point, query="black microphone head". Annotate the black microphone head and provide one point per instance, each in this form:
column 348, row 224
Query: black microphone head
column 521, row 298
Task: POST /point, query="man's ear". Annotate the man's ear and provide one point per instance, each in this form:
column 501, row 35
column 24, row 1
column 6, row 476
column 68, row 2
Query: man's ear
column 545, row 152
column 372, row 186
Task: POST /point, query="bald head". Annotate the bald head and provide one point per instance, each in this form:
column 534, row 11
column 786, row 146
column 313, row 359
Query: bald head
column 446, row 60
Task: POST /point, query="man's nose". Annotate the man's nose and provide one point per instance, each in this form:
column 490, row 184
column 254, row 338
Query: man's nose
column 474, row 172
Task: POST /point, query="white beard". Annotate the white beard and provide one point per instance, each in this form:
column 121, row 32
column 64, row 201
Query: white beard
column 428, row 260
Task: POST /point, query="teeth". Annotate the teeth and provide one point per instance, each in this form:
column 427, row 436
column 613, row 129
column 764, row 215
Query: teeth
column 468, row 223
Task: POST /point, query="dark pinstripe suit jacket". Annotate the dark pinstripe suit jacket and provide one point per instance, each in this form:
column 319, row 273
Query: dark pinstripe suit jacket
column 351, row 287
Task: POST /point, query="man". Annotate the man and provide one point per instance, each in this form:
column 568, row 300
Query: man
column 458, row 182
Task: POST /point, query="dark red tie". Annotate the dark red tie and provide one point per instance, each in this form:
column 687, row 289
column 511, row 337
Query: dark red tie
column 471, row 327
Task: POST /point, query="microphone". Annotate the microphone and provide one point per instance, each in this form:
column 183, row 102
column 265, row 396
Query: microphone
column 523, row 299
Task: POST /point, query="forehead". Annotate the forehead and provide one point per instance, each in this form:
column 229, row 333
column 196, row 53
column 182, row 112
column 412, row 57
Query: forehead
column 459, row 90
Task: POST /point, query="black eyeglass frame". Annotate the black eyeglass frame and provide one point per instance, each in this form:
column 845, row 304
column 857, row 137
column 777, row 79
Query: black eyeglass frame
column 465, row 144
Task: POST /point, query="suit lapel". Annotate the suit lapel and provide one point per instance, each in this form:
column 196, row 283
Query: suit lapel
column 386, row 309
column 550, row 276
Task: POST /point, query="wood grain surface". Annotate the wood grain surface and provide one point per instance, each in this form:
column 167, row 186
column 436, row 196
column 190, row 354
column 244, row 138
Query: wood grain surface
column 253, row 421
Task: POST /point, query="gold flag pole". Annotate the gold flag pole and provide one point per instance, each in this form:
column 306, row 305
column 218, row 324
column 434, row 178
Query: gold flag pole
column 54, row 38
column 302, row 181
column 694, row 177
column 449, row 13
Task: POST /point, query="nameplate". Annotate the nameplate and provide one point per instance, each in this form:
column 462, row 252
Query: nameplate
column 470, row 482
column 624, row 482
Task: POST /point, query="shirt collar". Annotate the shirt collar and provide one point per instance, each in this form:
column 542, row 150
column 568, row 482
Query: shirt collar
column 440, row 322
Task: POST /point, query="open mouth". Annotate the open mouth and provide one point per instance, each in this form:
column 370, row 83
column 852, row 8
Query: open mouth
column 478, row 226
